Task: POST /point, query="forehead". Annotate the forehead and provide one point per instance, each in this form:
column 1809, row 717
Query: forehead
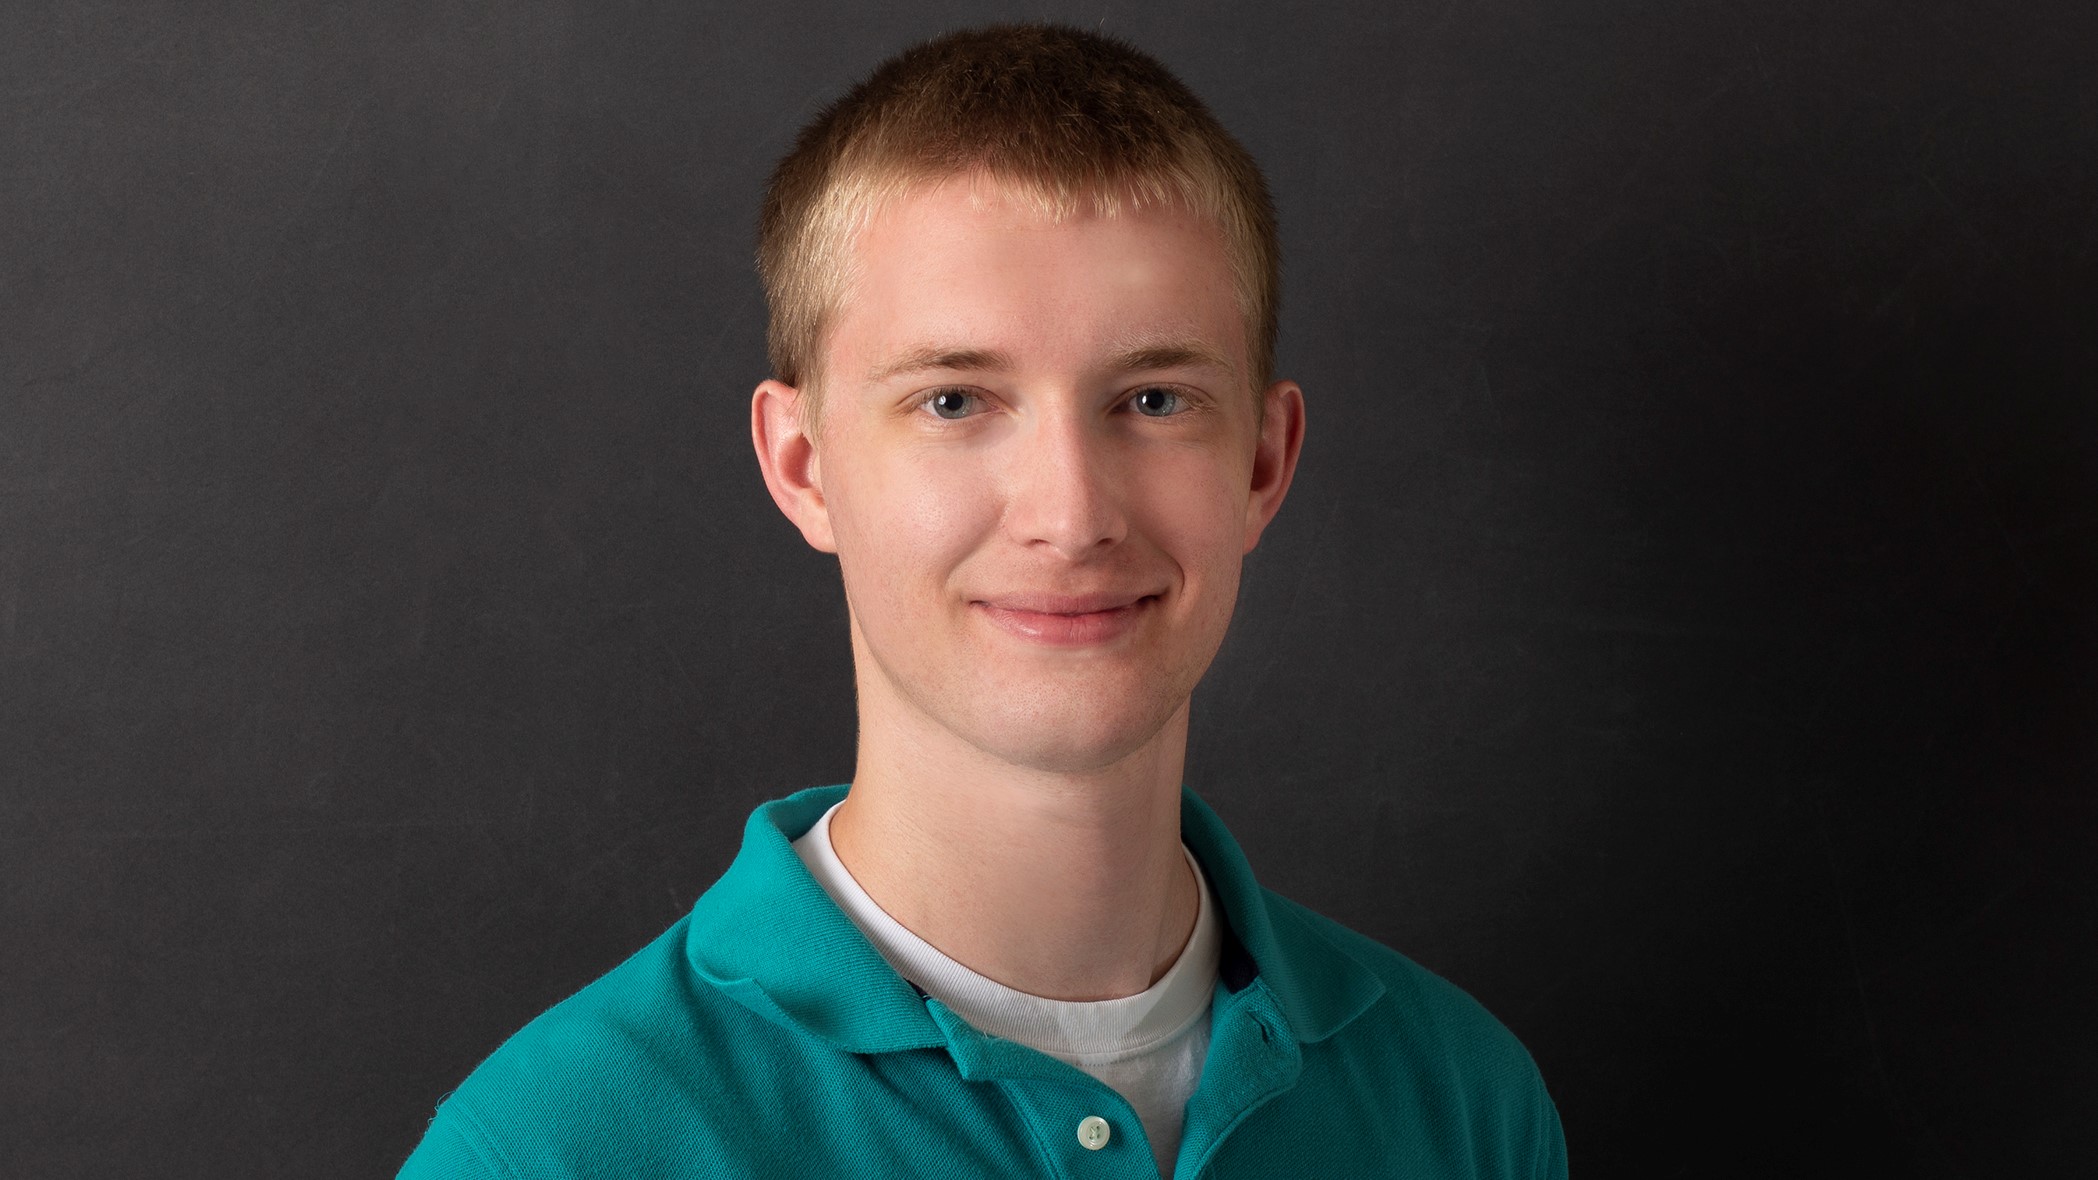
column 976, row 262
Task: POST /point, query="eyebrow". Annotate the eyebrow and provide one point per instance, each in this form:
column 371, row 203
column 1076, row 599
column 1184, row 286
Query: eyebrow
column 1171, row 355
column 933, row 356
column 1140, row 358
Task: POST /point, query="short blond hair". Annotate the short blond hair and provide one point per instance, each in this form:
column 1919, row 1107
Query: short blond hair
column 1071, row 120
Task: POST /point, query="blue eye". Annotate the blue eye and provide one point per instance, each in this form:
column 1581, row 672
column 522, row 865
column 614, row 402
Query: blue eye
column 1156, row 402
column 950, row 404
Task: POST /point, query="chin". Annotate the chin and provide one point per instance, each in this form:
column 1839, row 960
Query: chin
column 1078, row 740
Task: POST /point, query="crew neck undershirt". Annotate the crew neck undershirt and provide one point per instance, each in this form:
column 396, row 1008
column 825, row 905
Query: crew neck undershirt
column 1148, row 1047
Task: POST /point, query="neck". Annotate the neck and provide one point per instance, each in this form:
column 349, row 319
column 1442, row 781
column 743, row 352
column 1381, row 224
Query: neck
column 1066, row 885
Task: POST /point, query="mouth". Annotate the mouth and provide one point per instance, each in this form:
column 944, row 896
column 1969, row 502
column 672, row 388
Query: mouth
column 1066, row 604
column 1061, row 620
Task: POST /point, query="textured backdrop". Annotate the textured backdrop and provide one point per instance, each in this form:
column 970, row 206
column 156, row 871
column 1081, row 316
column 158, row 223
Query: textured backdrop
column 1683, row 633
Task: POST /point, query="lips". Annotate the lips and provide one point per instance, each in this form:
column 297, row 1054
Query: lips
column 1065, row 604
column 1067, row 620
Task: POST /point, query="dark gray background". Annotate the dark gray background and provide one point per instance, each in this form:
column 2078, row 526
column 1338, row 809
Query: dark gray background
column 1681, row 634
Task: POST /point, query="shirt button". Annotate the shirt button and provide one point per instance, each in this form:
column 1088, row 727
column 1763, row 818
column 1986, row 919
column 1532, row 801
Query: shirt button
column 1093, row 1132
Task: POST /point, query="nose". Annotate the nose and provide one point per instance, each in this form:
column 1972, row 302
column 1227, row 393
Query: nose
column 1065, row 490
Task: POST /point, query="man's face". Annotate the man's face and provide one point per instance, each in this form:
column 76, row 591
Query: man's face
column 1037, row 462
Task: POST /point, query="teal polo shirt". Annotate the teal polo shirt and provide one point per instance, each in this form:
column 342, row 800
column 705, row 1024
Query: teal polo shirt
column 762, row 1035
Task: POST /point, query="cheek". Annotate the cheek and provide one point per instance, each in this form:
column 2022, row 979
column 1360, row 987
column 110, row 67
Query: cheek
column 909, row 521
column 1196, row 516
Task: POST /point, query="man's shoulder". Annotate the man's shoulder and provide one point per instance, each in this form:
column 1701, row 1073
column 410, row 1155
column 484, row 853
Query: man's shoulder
column 645, row 1042
column 1408, row 984
column 1416, row 1001
column 1424, row 1047
column 644, row 1000
column 1367, row 1014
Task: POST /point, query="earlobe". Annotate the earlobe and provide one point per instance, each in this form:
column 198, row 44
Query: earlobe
column 1281, row 440
column 787, row 456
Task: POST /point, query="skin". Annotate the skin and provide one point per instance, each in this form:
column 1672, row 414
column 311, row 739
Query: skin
column 1014, row 802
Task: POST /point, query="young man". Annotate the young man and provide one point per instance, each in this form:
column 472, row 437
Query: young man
column 1023, row 296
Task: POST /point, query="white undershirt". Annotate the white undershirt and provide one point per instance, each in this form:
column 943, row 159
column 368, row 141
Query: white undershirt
column 1147, row 1047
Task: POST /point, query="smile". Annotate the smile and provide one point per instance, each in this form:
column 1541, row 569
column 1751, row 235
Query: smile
column 1031, row 618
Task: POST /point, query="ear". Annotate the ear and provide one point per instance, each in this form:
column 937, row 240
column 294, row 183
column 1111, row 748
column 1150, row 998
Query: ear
column 1274, row 455
column 786, row 449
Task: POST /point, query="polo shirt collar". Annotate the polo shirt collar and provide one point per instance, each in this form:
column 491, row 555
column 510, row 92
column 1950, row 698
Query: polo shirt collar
column 1317, row 986
column 767, row 935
